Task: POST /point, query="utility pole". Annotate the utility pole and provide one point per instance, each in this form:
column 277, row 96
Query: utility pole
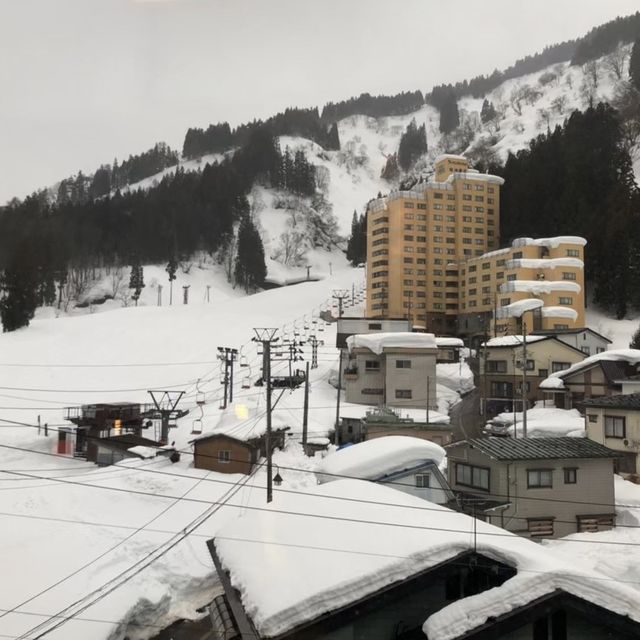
column 228, row 356
column 207, row 294
column 305, row 414
column 185, row 295
column 337, row 426
column 314, row 352
column 266, row 336
column 524, row 379
column 308, row 272
column 428, row 396
column 159, row 295
column 340, row 295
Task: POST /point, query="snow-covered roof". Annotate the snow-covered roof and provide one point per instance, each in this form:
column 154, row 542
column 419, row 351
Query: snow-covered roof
column 286, row 573
column 512, row 341
column 550, row 243
column 539, row 287
column 544, row 263
column 449, row 342
column 450, row 156
column 373, row 459
column 519, row 307
column 357, row 411
column 556, row 380
column 143, row 452
column 378, row 342
column 474, row 175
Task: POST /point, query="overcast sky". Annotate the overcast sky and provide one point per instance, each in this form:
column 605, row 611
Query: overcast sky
column 84, row 81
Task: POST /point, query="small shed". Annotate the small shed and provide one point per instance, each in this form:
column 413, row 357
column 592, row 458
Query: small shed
column 117, row 448
column 224, row 453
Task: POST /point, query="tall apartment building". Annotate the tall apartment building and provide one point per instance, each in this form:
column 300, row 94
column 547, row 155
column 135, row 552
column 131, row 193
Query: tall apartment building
column 418, row 239
column 433, row 258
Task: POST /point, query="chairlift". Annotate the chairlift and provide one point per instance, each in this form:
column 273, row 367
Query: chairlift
column 321, row 327
column 243, row 361
column 246, row 382
column 223, row 379
column 197, row 426
column 200, row 399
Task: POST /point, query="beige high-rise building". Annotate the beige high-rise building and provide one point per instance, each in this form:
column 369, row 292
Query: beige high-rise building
column 418, row 239
column 433, row 258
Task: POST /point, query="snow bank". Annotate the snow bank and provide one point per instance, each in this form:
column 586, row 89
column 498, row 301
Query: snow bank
column 449, row 342
column 543, row 422
column 377, row 342
column 374, row 459
column 556, row 380
column 516, row 309
column 559, row 312
column 456, row 376
column 143, row 452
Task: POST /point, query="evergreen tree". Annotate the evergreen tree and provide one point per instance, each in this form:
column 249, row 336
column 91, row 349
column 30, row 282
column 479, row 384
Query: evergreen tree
column 136, row 280
column 413, row 144
column 18, row 287
column 449, row 116
column 171, row 269
column 391, row 170
column 333, row 138
column 357, row 244
column 634, row 65
column 488, row 111
column 250, row 269
column 635, row 340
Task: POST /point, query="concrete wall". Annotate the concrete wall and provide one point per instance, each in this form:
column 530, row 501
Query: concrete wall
column 585, row 341
column 508, row 483
column 388, row 378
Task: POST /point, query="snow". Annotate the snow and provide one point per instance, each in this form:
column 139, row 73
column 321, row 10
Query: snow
column 555, row 380
column 518, row 308
column 550, row 243
column 302, row 556
column 357, row 411
column 512, row 341
column 378, row 342
column 374, row 459
column 559, row 312
column 143, row 452
column 539, row 287
column 544, row 421
column 456, row 376
column 449, row 342
column 619, row 332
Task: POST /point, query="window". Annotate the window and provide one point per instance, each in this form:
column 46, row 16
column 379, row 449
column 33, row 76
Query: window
column 421, row 205
column 470, row 476
column 511, row 277
column 570, row 475
column 372, row 365
column 517, row 255
column 539, row 478
column 530, row 364
column 615, row 427
column 437, row 206
column 573, row 253
column 403, row 394
column 559, row 366
column 466, row 187
column 479, row 209
column 224, row 456
column 408, row 238
column 408, row 227
column 540, row 528
column 408, row 271
column 543, row 373
column 586, row 350
column 593, row 523
column 593, row 417
column 479, row 187
column 403, row 364
column 437, row 196
column 479, row 198
column 496, row 366
column 567, row 275
column 560, row 326
column 466, row 207
column 408, row 260
column 423, row 480
column 486, row 265
column 408, row 205
column 566, row 300
column 375, row 326
column 421, row 238
column 372, row 392
column 466, row 218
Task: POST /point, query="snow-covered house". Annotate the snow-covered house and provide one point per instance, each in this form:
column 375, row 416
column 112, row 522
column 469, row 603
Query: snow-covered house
column 501, row 366
column 536, row 487
column 614, row 421
column 391, row 368
column 603, row 374
column 590, row 342
column 410, row 465
column 349, row 326
column 354, row 559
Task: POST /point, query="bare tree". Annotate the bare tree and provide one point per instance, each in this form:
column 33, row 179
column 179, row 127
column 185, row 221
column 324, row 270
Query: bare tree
column 559, row 104
column 614, row 63
column 544, row 118
column 591, row 71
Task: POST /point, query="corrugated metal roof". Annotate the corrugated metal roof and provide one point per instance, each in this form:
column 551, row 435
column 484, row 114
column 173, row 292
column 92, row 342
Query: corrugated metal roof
column 628, row 401
column 540, row 448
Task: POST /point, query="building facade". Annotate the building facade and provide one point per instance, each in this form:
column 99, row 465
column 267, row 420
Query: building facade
column 433, row 258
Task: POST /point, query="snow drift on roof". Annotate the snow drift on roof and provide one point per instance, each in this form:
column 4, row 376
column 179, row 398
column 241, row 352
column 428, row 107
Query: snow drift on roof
column 517, row 308
column 538, row 287
column 377, row 342
column 544, row 263
column 372, row 459
column 512, row 341
column 559, row 312
column 449, row 342
column 551, row 243
column 555, row 380
column 287, row 573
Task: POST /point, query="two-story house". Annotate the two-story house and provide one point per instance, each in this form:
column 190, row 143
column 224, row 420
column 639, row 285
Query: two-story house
column 397, row 369
column 535, row 487
column 590, row 342
column 501, row 368
column 614, row 421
